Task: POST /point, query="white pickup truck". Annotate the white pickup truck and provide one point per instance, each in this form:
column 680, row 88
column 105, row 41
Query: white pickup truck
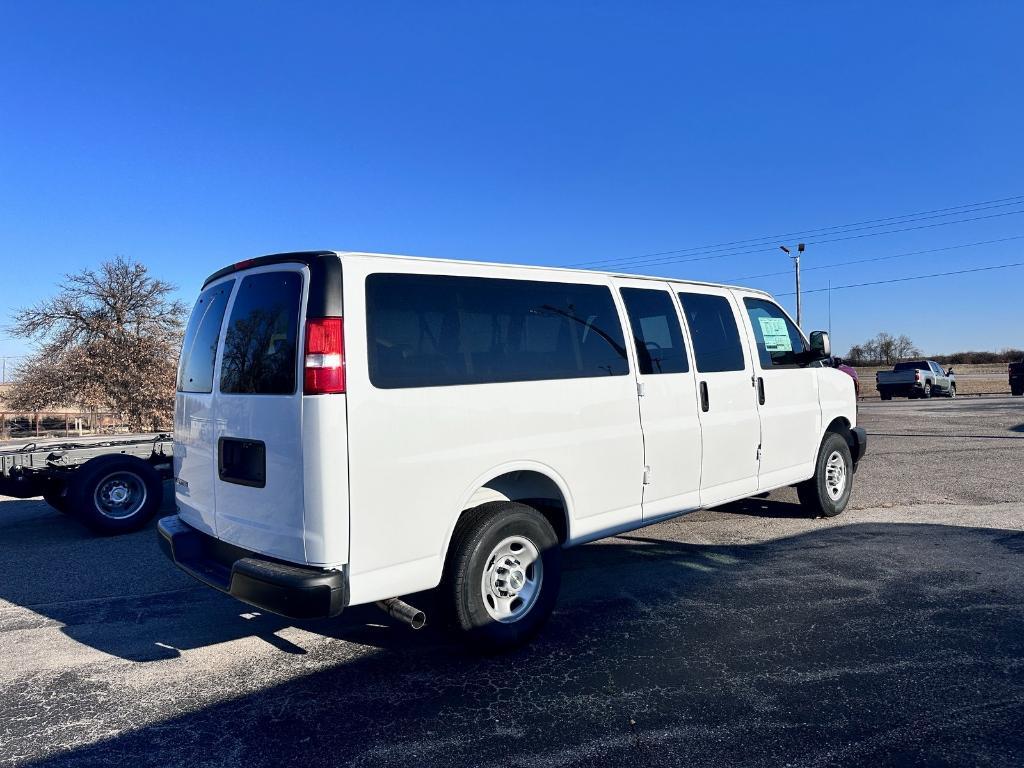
column 916, row 378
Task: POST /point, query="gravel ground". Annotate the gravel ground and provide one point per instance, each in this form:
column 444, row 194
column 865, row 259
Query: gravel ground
column 748, row 634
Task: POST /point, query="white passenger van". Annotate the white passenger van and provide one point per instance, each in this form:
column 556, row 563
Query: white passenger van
column 352, row 428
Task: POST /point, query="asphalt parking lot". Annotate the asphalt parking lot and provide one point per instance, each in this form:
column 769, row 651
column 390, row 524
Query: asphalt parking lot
column 747, row 635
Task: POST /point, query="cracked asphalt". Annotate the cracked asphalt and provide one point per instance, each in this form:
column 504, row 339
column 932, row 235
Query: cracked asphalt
column 892, row 635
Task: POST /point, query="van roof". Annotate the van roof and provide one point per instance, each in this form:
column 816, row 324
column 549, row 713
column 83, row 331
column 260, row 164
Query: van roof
column 307, row 257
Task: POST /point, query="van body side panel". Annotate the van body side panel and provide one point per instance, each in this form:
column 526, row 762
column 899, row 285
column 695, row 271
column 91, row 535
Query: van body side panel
column 837, row 397
column 415, row 452
column 194, row 461
column 325, row 480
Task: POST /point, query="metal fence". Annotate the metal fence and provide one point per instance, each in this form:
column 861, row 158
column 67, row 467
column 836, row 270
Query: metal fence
column 14, row 424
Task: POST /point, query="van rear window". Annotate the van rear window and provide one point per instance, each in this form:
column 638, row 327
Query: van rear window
column 437, row 330
column 199, row 348
column 260, row 343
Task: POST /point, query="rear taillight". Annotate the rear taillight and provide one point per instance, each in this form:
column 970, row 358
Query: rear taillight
column 917, row 375
column 325, row 356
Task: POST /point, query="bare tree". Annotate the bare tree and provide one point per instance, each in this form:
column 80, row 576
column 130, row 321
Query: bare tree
column 884, row 349
column 904, row 349
column 109, row 339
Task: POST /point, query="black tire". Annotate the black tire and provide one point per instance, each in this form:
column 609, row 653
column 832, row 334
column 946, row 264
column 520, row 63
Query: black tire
column 462, row 592
column 927, row 392
column 115, row 494
column 886, row 396
column 814, row 494
column 58, row 499
column 952, row 391
column 1017, row 392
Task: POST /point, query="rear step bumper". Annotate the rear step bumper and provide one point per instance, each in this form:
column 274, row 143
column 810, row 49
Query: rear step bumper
column 289, row 590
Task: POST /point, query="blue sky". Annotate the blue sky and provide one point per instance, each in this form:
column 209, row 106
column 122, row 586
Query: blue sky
column 191, row 135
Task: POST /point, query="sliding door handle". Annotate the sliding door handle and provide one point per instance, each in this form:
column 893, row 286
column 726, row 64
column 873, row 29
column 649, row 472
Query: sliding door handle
column 705, row 404
column 760, row 390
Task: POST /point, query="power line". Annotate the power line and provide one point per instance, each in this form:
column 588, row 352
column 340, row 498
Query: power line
column 874, row 224
column 822, row 242
column 907, row 279
column 876, row 258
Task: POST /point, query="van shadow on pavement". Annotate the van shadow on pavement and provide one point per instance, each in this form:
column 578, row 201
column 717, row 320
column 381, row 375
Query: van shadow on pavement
column 851, row 645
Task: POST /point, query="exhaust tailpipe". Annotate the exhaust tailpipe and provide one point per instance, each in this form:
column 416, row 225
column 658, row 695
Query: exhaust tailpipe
column 404, row 612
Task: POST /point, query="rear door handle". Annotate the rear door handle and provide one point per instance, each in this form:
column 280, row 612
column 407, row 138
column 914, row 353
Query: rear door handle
column 760, row 390
column 705, row 404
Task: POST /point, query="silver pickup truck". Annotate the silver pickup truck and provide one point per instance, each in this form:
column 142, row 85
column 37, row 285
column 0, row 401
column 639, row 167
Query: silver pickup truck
column 916, row 378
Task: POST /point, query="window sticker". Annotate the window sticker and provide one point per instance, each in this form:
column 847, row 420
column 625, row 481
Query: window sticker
column 776, row 335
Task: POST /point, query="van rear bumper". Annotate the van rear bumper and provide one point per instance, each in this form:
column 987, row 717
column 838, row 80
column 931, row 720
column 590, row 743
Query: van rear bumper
column 293, row 591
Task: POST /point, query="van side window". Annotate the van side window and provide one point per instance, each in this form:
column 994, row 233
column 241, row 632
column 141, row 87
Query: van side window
column 656, row 331
column 260, row 344
column 716, row 340
column 440, row 330
column 779, row 342
column 199, row 347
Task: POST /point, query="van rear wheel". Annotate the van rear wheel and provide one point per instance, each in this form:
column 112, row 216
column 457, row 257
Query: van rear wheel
column 828, row 492
column 502, row 576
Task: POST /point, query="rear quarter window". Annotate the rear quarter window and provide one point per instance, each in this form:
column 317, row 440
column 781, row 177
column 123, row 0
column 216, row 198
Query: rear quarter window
column 260, row 344
column 439, row 330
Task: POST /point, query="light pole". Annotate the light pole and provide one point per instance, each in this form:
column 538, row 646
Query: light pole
column 796, row 267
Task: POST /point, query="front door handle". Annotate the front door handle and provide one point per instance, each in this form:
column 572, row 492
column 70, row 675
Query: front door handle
column 705, row 404
column 760, row 390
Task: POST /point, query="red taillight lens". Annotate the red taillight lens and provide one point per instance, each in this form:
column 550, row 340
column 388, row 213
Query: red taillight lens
column 325, row 356
column 917, row 375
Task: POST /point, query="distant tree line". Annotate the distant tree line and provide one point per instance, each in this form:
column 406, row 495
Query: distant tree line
column 980, row 358
column 886, row 349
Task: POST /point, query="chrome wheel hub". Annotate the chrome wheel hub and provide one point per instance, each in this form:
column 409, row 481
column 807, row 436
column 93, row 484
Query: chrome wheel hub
column 512, row 579
column 835, row 475
column 120, row 495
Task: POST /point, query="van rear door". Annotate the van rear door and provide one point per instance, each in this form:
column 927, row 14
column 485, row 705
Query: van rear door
column 195, row 422
column 257, row 444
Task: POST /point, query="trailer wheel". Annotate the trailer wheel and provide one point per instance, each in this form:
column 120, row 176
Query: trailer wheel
column 115, row 493
column 502, row 576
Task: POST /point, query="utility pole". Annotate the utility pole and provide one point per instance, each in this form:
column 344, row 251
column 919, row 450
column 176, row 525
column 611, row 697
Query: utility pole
column 830, row 307
column 796, row 267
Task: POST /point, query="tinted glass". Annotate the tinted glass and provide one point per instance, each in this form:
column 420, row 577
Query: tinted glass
column 913, row 365
column 716, row 341
column 199, row 348
column 779, row 343
column 656, row 331
column 260, row 343
column 432, row 330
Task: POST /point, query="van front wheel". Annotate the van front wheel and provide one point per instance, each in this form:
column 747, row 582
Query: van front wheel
column 828, row 492
column 502, row 576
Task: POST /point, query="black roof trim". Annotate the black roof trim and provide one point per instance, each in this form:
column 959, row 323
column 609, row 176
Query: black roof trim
column 325, row 294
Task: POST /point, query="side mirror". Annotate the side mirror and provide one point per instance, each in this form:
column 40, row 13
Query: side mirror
column 821, row 348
